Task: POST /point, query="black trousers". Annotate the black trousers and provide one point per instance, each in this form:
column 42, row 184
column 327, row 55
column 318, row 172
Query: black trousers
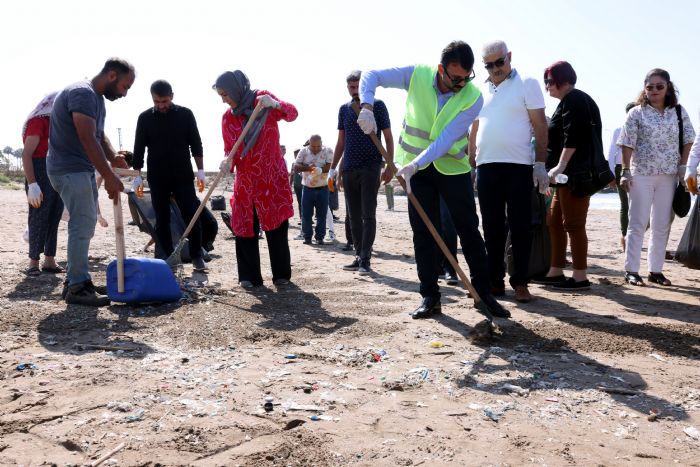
column 361, row 188
column 248, row 253
column 428, row 186
column 186, row 199
column 43, row 221
column 449, row 236
column 505, row 189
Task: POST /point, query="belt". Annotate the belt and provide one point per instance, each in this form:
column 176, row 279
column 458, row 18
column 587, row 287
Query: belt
column 315, row 188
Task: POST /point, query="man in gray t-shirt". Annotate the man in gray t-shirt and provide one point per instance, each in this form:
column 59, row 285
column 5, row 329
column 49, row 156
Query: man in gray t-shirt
column 78, row 147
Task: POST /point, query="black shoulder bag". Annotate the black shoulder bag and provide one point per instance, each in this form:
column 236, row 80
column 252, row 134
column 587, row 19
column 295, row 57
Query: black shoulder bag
column 598, row 174
column 681, row 198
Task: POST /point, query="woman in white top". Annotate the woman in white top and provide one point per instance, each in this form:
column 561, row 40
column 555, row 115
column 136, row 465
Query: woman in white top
column 653, row 160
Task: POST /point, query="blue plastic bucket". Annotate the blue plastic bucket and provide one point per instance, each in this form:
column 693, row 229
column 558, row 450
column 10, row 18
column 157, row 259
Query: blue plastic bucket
column 145, row 280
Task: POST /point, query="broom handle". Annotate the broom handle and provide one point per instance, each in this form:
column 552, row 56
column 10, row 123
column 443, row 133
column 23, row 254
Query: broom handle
column 119, row 234
column 424, row 217
column 220, row 175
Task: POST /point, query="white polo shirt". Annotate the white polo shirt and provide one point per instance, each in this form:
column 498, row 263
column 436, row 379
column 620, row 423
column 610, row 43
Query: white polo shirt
column 505, row 130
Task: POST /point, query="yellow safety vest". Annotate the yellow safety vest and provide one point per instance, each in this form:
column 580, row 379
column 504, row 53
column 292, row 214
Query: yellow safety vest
column 423, row 123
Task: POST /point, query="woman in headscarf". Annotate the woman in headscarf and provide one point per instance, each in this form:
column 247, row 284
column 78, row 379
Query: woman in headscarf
column 261, row 193
column 45, row 205
column 653, row 160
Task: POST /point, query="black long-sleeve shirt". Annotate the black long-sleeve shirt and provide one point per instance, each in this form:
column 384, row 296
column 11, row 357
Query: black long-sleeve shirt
column 170, row 138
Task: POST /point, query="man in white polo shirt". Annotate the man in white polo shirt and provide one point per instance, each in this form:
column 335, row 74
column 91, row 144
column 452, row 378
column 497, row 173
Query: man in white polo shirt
column 500, row 146
column 314, row 161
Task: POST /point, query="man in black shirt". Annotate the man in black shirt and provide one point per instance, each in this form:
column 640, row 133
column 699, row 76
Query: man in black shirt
column 171, row 135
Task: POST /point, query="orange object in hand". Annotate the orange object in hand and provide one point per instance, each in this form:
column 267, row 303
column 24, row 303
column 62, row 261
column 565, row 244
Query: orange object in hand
column 139, row 191
column 692, row 183
column 331, row 185
column 200, row 185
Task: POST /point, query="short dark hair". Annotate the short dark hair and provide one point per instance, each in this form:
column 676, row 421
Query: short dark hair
column 128, row 157
column 119, row 65
column 458, row 52
column 671, row 97
column 562, row 73
column 354, row 75
column 630, row 106
column 161, row 88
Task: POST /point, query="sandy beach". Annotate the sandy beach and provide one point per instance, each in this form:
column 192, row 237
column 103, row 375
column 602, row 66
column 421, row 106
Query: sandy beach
column 608, row 376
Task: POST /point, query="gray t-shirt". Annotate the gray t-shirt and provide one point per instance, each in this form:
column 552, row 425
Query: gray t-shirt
column 66, row 152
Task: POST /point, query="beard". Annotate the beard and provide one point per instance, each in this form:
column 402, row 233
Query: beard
column 111, row 92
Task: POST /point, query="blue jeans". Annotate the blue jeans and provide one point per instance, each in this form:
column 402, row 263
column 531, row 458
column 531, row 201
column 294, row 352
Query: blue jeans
column 314, row 198
column 79, row 194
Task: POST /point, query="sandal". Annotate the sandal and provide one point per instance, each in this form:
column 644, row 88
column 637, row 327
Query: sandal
column 53, row 269
column 632, row 278
column 33, row 272
column 658, row 278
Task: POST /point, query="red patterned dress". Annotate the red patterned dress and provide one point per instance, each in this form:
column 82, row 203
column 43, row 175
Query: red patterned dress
column 261, row 176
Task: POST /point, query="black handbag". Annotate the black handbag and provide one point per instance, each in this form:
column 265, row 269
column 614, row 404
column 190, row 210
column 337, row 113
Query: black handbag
column 681, row 198
column 218, row 203
column 598, row 174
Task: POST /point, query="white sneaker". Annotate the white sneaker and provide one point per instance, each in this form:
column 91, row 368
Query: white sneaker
column 332, row 237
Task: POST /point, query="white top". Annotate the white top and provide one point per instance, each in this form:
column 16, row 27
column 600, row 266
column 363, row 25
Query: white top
column 614, row 152
column 505, row 130
column 694, row 158
column 305, row 156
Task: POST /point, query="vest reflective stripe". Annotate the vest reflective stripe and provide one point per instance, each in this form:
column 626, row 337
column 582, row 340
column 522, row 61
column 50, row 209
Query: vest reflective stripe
column 423, row 123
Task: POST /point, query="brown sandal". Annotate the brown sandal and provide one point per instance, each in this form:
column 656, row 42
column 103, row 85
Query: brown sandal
column 658, row 278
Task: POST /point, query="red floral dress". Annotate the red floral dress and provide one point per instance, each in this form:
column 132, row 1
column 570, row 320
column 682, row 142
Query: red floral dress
column 261, row 176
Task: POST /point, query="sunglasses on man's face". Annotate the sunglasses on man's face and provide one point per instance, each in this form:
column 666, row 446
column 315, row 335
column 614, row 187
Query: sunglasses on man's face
column 495, row 64
column 549, row 82
column 658, row 86
column 459, row 79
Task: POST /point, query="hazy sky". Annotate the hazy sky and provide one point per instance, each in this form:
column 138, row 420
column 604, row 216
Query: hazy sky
column 301, row 51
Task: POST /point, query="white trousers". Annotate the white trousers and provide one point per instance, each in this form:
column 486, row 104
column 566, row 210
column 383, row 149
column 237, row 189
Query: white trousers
column 650, row 196
column 329, row 221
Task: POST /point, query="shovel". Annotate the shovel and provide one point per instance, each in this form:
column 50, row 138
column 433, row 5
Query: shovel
column 478, row 303
column 174, row 259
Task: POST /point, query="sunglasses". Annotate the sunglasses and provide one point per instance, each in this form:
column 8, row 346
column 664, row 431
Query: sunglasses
column 459, row 79
column 549, row 82
column 658, row 86
column 495, row 64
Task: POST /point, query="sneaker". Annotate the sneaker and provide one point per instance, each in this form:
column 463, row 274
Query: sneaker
column 198, row 264
column 246, row 284
column 319, row 241
column 83, row 294
column 332, row 237
column 451, row 278
column 299, row 237
column 279, row 282
column 364, row 268
column 307, row 241
column 354, row 266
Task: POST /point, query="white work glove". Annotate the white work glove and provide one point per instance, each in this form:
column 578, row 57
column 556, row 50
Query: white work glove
column 406, row 173
column 366, row 121
column 34, row 195
column 226, row 164
column 331, row 174
column 554, row 171
column 201, row 180
column 269, row 102
column 137, row 183
column 626, row 179
column 540, row 178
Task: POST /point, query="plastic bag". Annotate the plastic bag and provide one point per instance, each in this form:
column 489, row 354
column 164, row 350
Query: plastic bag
column 688, row 251
column 540, row 249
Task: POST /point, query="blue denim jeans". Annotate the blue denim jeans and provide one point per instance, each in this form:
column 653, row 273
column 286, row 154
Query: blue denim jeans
column 314, row 198
column 79, row 194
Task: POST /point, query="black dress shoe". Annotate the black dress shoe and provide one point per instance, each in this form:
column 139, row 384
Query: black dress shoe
column 430, row 306
column 495, row 308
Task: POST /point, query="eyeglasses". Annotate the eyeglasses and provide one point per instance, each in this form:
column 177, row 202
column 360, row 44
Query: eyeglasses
column 497, row 63
column 658, row 86
column 459, row 79
column 549, row 82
